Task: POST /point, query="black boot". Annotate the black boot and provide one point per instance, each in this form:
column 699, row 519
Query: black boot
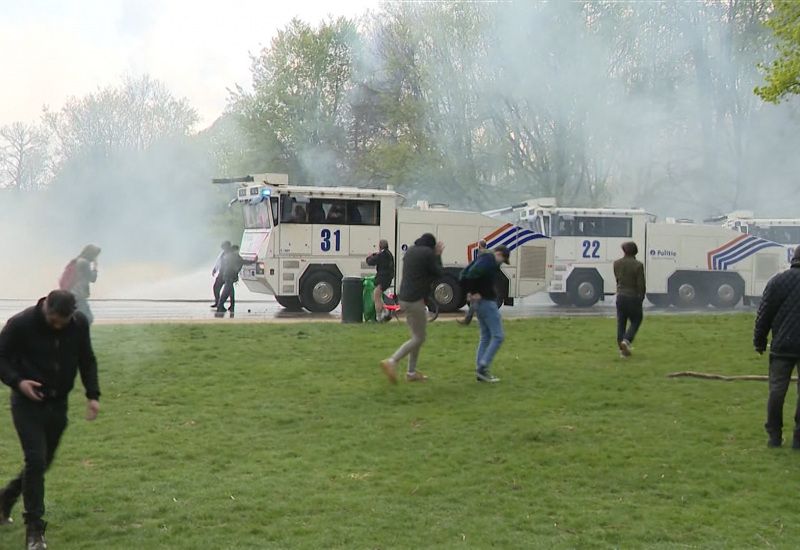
column 5, row 509
column 34, row 535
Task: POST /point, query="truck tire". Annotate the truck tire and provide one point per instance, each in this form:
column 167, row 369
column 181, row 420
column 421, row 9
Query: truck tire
column 560, row 298
column 291, row 303
column 447, row 293
column 659, row 300
column 321, row 292
column 584, row 289
column 687, row 293
column 725, row 294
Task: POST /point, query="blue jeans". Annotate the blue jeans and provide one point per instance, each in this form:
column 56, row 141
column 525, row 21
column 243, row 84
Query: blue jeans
column 492, row 335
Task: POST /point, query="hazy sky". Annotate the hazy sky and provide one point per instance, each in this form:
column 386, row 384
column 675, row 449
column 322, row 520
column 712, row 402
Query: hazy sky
column 53, row 49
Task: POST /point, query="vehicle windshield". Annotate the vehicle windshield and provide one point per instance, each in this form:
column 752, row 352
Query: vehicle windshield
column 256, row 215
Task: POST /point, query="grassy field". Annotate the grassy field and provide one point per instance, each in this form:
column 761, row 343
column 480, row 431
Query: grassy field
column 262, row 436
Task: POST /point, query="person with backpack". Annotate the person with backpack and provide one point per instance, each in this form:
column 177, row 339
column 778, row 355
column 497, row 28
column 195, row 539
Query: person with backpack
column 478, row 280
column 78, row 275
column 471, row 311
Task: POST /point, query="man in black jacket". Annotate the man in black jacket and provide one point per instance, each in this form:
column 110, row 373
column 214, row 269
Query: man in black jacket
column 779, row 312
column 41, row 351
column 422, row 265
column 384, row 273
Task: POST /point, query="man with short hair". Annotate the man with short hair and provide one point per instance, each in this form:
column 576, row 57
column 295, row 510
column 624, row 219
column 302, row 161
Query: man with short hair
column 779, row 312
column 479, row 280
column 384, row 273
column 232, row 263
column 42, row 349
column 216, row 272
column 422, row 265
column 631, row 290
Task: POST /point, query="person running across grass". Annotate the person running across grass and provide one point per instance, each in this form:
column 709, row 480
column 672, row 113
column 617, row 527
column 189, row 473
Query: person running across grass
column 422, row 265
column 471, row 311
column 478, row 281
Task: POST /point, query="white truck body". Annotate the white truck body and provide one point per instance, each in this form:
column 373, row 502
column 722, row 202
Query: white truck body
column 301, row 248
column 686, row 264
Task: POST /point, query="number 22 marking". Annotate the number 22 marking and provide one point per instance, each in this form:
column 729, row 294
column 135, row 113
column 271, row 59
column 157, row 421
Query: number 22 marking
column 326, row 240
column 591, row 249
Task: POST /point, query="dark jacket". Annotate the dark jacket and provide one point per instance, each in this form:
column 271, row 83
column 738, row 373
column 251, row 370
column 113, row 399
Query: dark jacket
column 32, row 350
column 232, row 263
column 779, row 311
column 421, row 267
column 384, row 267
column 629, row 273
column 480, row 276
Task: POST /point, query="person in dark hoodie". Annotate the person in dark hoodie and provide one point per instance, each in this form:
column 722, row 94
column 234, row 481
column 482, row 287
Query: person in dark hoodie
column 85, row 274
column 42, row 349
column 422, row 265
column 478, row 280
column 779, row 312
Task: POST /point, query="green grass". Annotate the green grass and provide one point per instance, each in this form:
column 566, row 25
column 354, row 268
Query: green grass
column 288, row 436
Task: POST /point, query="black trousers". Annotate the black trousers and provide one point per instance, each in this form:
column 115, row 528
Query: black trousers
column 218, row 282
column 39, row 427
column 629, row 308
column 227, row 292
column 780, row 376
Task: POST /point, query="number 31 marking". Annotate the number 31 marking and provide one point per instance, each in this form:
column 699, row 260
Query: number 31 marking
column 591, row 249
column 326, row 240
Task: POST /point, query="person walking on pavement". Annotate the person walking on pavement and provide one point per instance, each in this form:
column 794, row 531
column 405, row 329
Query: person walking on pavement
column 422, row 265
column 479, row 282
column 384, row 273
column 216, row 272
column 779, row 313
column 631, row 291
column 232, row 263
column 42, row 349
column 471, row 307
column 84, row 274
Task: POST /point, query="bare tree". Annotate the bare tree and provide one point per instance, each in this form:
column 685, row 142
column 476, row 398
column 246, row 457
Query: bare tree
column 24, row 157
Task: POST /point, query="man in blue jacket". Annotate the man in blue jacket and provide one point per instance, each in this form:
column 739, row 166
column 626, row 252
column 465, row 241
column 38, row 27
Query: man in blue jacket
column 478, row 281
column 779, row 312
column 42, row 349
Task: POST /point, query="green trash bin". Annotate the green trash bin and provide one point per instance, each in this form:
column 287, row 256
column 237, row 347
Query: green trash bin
column 352, row 303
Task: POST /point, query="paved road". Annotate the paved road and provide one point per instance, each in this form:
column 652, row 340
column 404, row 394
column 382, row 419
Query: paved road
column 267, row 309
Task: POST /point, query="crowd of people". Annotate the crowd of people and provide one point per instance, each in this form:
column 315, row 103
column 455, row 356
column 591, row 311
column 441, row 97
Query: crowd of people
column 45, row 347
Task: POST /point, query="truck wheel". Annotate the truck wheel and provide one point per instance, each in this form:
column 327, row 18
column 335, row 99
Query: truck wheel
column 560, row 299
column 447, row 293
column 584, row 289
column 659, row 300
column 686, row 293
column 291, row 303
column 725, row 295
column 321, row 292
